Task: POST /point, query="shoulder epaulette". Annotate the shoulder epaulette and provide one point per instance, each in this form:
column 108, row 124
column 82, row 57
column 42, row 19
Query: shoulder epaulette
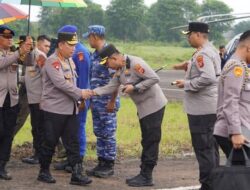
column 231, row 64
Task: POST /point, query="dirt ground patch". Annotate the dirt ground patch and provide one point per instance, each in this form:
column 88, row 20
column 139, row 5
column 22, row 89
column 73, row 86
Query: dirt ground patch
column 169, row 173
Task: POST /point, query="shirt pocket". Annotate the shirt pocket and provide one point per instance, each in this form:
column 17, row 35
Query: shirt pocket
column 246, row 93
column 32, row 72
column 13, row 68
column 68, row 77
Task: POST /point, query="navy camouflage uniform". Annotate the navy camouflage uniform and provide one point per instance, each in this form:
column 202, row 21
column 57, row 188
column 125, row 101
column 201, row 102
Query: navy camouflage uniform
column 104, row 123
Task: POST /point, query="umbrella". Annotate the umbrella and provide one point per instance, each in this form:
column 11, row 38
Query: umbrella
column 47, row 3
column 9, row 13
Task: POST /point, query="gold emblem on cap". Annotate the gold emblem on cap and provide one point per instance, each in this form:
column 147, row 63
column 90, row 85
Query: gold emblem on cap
column 74, row 38
column 103, row 60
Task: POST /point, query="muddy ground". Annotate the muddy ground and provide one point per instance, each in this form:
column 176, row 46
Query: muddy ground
column 169, row 173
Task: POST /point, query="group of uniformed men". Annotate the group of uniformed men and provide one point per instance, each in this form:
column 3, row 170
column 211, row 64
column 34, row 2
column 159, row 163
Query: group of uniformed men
column 57, row 85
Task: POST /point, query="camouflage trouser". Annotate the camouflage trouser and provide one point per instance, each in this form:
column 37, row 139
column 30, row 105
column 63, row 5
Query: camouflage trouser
column 104, row 125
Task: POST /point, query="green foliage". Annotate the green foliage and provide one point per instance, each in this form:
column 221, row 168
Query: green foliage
column 125, row 19
column 241, row 27
column 131, row 20
column 156, row 55
column 165, row 14
column 213, row 7
column 51, row 19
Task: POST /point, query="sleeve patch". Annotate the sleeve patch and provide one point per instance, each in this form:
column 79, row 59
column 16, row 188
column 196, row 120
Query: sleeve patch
column 200, row 61
column 238, row 71
column 41, row 61
column 80, row 56
column 139, row 69
column 56, row 65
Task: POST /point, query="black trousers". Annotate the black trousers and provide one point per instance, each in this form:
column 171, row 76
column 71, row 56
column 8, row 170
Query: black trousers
column 227, row 146
column 56, row 126
column 151, row 136
column 36, row 117
column 8, row 116
column 204, row 144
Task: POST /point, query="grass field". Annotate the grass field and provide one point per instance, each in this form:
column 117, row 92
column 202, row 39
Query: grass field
column 175, row 134
column 156, row 54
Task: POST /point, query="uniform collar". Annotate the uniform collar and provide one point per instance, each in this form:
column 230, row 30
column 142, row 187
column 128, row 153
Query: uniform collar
column 237, row 58
column 96, row 53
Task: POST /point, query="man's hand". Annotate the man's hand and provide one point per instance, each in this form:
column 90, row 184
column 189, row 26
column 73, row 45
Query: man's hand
column 238, row 141
column 87, row 94
column 128, row 89
column 110, row 106
column 181, row 66
column 180, row 83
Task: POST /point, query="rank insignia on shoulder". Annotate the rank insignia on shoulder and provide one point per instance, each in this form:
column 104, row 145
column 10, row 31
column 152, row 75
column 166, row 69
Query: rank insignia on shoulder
column 139, row 69
column 80, row 56
column 238, row 71
column 56, row 65
column 200, row 61
column 41, row 61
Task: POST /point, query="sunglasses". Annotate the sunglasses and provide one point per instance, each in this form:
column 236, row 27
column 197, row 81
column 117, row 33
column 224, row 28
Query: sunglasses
column 7, row 36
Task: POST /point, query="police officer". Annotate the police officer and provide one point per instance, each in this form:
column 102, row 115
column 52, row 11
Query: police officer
column 8, row 94
column 103, row 108
column 33, row 83
column 23, row 99
column 141, row 83
column 234, row 102
column 200, row 100
column 59, row 103
column 81, row 58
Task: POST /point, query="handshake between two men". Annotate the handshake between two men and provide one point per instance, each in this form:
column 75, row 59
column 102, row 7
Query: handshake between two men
column 87, row 93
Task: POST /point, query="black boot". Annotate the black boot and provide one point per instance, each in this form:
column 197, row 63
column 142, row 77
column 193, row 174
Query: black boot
column 106, row 170
column 142, row 179
column 31, row 160
column 78, row 178
column 45, row 176
column 3, row 173
column 97, row 167
column 204, row 187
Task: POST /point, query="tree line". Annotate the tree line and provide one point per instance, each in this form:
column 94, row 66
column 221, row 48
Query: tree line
column 132, row 20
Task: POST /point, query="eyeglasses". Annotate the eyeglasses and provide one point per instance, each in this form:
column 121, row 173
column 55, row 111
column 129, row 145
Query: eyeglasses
column 7, row 36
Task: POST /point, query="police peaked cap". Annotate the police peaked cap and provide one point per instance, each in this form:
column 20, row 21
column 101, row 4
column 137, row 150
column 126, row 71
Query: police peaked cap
column 197, row 27
column 106, row 52
column 68, row 34
column 6, row 30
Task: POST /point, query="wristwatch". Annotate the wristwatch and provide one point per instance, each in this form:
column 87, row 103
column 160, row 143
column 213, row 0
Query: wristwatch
column 136, row 89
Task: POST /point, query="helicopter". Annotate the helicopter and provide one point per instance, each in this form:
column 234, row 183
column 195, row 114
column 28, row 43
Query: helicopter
column 232, row 44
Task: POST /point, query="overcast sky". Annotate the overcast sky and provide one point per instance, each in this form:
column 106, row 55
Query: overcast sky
column 239, row 6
